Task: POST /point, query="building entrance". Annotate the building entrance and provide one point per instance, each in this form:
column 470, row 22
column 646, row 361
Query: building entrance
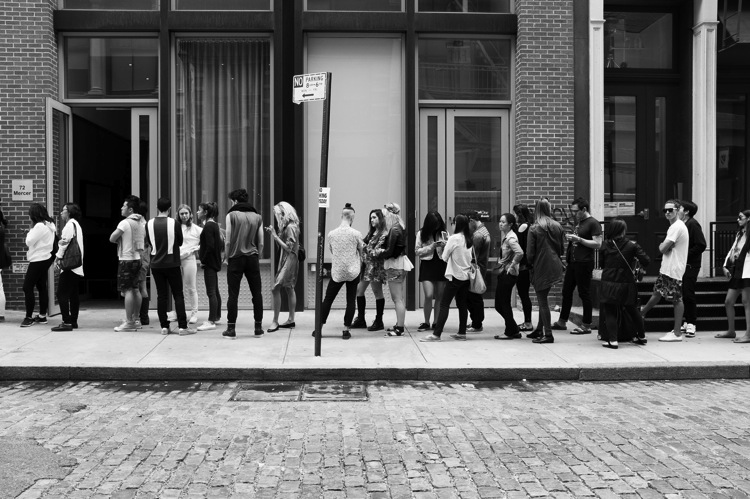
column 464, row 164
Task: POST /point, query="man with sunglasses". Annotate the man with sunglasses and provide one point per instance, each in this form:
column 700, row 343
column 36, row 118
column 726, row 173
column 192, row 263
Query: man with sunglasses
column 674, row 262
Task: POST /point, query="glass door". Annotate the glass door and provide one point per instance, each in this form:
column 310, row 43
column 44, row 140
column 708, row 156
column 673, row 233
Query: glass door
column 464, row 158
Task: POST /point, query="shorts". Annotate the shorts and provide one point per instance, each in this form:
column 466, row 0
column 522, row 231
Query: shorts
column 128, row 275
column 395, row 275
column 670, row 289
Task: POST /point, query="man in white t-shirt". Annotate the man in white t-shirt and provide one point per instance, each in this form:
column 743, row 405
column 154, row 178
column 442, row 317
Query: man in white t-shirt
column 669, row 283
column 129, row 237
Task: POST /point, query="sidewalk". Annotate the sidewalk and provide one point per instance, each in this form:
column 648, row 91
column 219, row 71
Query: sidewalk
column 96, row 352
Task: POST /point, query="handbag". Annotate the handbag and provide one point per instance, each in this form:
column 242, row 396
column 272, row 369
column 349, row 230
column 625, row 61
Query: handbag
column 301, row 254
column 476, row 281
column 636, row 270
column 72, row 258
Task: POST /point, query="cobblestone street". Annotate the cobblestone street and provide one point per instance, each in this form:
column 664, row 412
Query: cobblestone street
column 420, row 439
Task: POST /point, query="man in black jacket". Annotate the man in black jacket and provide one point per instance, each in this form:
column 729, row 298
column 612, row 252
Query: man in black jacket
column 696, row 247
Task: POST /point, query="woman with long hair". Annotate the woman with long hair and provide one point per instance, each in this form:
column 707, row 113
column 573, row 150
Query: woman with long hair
column 618, row 291
column 191, row 240
column 5, row 262
column 287, row 239
column 67, row 284
column 523, row 284
column 507, row 269
column 396, row 264
column 40, row 240
column 211, row 246
column 431, row 240
column 373, row 273
column 737, row 270
column 457, row 255
column 544, row 252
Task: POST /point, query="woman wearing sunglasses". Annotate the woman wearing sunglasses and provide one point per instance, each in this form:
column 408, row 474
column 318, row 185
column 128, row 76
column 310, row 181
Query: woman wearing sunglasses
column 737, row 270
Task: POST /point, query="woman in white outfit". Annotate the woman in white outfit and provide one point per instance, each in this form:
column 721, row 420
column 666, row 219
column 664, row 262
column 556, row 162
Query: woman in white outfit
column 191, row 240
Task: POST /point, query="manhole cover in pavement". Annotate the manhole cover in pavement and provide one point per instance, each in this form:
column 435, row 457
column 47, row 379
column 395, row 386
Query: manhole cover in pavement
column 335, row 391
column 266, row 392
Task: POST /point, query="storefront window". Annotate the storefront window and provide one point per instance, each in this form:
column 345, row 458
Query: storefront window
column 493, row 6
column 109, row 4
column 111, row 68
column 732, row 180
column 222, row 4
column 619, row 151
column 223, row 121
column 464, row 69
column 356, row 5
column 640, row 40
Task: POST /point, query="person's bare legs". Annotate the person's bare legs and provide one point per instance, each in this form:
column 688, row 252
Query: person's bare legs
column 429, row 290
column 679, row 311
column 291, row 297
column 397, row 295
column 276, row 295
column 746, row 306
column 729, row 302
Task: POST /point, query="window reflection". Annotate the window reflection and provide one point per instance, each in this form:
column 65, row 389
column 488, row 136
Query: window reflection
column 494, row 6
column 110, row 4
column 637, row 40
column 356, row 5
column 619, row 150
column 222, row 4
column 731, row 155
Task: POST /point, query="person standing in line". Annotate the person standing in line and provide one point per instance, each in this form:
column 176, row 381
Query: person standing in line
column 457, row 255
column 510, row 260
column 429, row 246
column 211, row 246
column 345, row 245
column 5, row 262
column 243, row 246
column 669, row 283
column 696, row 247
column 585, row 240
column 396, row 264
column 164, row 236
column 373, row 273
column 67, row 285
column 287, row 239
column 523, row 218
column 737, row 270
column 191, row 236
column 143, row 272
column 544, row 252
column 482, row 243
column 40, row 240
column 129, row 238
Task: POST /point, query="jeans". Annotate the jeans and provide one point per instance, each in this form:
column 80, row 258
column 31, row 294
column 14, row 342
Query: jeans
column 332, row 290
column 578, row 274
column 67, row 296
column 249, row 266
column 211, row 278
column 475, row 303
column 172, row 277
column 522, row 285
column 36, row 277
column 545, row 318
column 689, row 280
column 503, row 293
column 460, row 291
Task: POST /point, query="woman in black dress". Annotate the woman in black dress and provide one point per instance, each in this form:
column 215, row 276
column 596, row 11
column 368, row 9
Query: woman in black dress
column 429, row 246
column 524, row 219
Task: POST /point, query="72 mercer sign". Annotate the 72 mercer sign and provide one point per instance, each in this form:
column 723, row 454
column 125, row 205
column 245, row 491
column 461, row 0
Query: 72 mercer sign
column 309, row 87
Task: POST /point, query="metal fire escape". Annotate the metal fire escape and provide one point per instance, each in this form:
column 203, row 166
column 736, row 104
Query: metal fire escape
column 735, row 24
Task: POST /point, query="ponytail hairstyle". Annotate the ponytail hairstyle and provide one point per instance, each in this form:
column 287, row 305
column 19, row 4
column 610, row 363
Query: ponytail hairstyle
column 511, row 219
column 462, row 226
column 210, row 209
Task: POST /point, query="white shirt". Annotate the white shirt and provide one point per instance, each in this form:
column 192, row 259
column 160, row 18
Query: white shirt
column 458, row 257
column 191, row 240
column 72, row 228
column 674, row 262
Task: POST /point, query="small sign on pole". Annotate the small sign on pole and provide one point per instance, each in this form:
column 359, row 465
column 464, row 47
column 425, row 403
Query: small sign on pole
column 309, row 87
column 324, row 197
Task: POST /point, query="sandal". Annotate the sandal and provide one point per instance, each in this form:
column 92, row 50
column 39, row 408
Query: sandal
column 397, row 331
column 580, row 330
column 725, row 335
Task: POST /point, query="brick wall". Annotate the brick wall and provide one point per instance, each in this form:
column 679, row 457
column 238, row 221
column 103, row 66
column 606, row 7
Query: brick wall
column 28, row 74
column 544, row 104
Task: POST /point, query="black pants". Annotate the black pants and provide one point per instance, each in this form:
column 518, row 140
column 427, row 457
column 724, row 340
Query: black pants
column 610, row 316
column 332, row 290
column 689, row 280
column 577, row 275
column 36, row 277
column 503, row 294
column 166, row 279
column 249, row 266
column 460, row 291
column 67, row 296
column 522, row 285
column 211, row 278
column 475, row 303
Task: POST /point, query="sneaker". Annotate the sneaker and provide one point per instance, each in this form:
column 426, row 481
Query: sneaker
column 62, row 327
column 40, row 319
column 459, row 337
column 138, row 324
column 187, row 332
column 165, row 331
column 126, row 326
column 423, row 327
column 670, row 337
column 27, row 322
column 206, row 326
column 689, row 330
column 429, row 338
column 258, row 333
column 193, row 318
column 473, row 329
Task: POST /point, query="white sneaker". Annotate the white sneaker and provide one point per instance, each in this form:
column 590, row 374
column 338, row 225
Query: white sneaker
column 138, row 324
column 670, row 337
column 193, row 318
column 186, row 332
column 206, row 326
column 690, row 330
column 126, row 326
column 165, row 331
column 172, row 316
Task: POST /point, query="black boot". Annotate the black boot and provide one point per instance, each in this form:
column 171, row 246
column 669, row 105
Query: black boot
column 377, row 324
column 229, row 333
column 144, row 311
column 359, row 322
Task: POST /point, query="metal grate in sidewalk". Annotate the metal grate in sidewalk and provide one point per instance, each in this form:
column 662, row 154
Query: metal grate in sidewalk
column 325, row 391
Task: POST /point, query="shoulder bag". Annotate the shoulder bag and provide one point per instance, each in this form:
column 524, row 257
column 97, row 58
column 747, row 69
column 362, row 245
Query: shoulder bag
column 71, row 259
column 476, row 280
column 636, row 270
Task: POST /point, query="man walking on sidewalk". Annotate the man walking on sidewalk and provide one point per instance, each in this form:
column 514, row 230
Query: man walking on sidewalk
column 669, row 283
column 243, row 247
column 129, row 237
column 582, row 243
column 696, row 247
column 165, row 237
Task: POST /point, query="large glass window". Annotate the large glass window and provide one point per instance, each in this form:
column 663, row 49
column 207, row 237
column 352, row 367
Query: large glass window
column 222, row 4
column 619, row 151
column 111, row 68
column 732, row 179
column 109, row 4
column 495, row 6
column 223, row 121
column 464, row 69
column 356, row 5
column 638, row 40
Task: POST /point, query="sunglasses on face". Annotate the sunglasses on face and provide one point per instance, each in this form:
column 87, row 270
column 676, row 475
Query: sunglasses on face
column 668, row 210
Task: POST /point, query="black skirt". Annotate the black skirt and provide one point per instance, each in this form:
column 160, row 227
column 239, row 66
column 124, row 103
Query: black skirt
column 433, row 269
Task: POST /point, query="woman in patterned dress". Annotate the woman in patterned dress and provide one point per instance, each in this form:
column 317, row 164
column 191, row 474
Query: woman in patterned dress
column 373, row 273
column 287, row 240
